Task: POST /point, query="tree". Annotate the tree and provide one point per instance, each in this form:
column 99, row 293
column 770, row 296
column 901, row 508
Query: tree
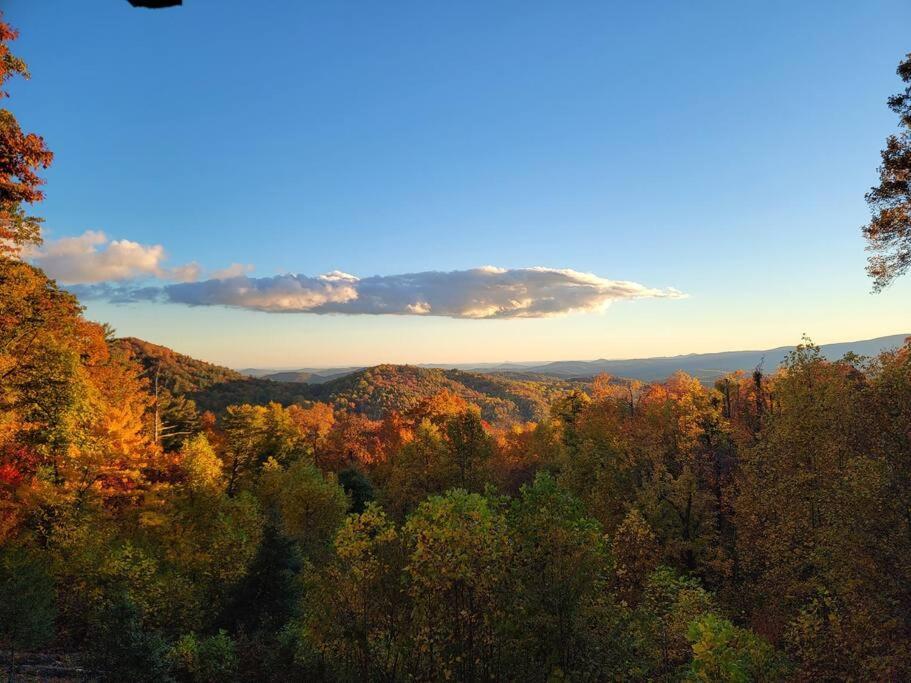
column 117, row 451
column 256, row 434
column 668, row 606
column 521, row 451
column 311, row 505
column 566, row 412
column 22, row 155
column 357, row 619
column 207, row 660
column 421, row 467
column 437, row 408
column 200, row 466
column 889, row 231
column 68, row 397
column 27, row 606
column 636, row 553
column 352, row 440
column 210, row 541
column 267, row 597
column 121, row 647
column 313, row 423
column 563, row 615
column 282, row 437
column 724, row 653
column 244, row 428
column 820, row 566
column 177, row 419
column 458, row 558
column 358, row 487
column 470, row 447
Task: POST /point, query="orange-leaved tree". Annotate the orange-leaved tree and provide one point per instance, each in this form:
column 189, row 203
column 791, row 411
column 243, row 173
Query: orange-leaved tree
column 71, row 406
column 22, row 155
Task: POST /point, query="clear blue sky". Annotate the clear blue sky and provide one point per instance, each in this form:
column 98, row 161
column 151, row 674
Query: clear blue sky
column 719, row 148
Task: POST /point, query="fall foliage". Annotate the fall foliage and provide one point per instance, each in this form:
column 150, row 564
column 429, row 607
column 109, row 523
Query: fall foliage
column 405, row 524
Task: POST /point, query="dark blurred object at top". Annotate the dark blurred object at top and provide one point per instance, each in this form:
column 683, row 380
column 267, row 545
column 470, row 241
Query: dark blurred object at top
column 155, row 4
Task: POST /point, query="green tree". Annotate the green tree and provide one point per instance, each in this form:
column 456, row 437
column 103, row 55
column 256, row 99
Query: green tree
column 669, row 604
column 311, row 506
column 563, row 617
column 208, row 660
column 805, row 493
column 200, row 466
column 458, row 558
column 470, row 448
column 889, row 231
column 119, row 646
column 283, row 439
column 357, row 618
column 268, row 596
column 178, row 419
column 724, row 653
column 210, row 542
column 27, row 607
column 421, row 467
column 244, row 427
column 636, row 554
column 358, row 487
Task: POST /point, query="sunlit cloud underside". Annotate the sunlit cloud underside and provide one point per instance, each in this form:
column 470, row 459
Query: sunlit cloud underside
column 127, row 272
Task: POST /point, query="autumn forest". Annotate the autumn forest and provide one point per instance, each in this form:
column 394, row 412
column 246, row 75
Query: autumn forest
column 165, row 519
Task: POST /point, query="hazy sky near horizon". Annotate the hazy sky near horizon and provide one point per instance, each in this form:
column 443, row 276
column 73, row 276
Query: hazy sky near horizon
column 255, row 183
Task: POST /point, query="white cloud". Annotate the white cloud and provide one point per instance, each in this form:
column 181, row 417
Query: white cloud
column 282, row 293
column 234, row 270
column 92, row 257
column 485, row 292
column 119, row 271
column 186, row 273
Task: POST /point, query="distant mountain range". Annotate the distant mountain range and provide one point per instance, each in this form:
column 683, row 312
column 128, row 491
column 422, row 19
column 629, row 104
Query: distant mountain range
column 704, row 366
column 505, row 392
column 305, row 375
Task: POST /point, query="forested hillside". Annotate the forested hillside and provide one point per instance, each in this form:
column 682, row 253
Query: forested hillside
column 178, row 373
column 385, row 388
column 210, row 387
column 374, row 392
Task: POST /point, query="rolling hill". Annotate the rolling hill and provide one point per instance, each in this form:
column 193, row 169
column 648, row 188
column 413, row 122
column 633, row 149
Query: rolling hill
column 372, row 391
column 213, row 387
column 309, row 376
column 179, row 374
column 377, row 390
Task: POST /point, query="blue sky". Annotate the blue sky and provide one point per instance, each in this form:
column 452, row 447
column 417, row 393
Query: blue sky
column 719, row 148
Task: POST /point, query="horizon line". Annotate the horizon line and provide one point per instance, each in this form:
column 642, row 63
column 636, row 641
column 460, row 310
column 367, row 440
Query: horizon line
column 458, row 365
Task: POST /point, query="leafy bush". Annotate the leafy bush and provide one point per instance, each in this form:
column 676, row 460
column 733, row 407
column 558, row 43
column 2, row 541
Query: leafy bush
column 723, row 652
column 210, row 660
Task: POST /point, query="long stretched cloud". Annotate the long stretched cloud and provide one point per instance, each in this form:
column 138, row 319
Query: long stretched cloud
column 476, row 293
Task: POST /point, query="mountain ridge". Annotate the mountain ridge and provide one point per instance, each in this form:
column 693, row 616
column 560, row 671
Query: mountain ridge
column 372, row 391
column 705, row 366
column 504, row 393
